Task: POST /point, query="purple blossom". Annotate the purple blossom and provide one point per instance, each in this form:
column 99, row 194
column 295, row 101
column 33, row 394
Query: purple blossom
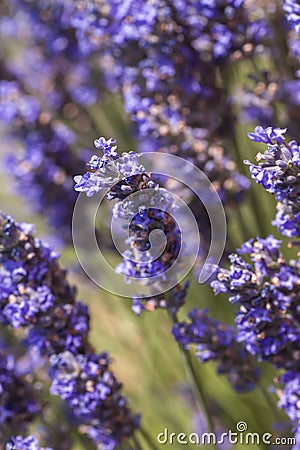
column 267, row 294
column 289, row 398
column 92, row 391
column 15, row 105
column 217, row 342
column 287, row 221
column 124, row 175
column 174, row 50
column 278, row 172
column 292, row 10
column 36, row 295
column 19, row 402
column 27, row 443
column 104, row 171
column 45, row 167
column 50, row 83
column 268, row 135
column 171, row 300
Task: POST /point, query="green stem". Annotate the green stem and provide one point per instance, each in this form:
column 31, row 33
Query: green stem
column 93, row 116
column 252, row 197
column 148, row 439
column 257, row 71
column 136, row 443
column 84, row 441
column 199, row 392
column 270, row 403
column 243, row 226
column 256, row 207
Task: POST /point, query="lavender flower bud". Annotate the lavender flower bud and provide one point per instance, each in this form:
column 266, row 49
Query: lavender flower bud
column 27, row 443
column 292, row 9
column 217, row 342
column 278, row 172
column 106, row 172
column 289, row 399
column 267, row 292
column 36, row 295
column 19, row 401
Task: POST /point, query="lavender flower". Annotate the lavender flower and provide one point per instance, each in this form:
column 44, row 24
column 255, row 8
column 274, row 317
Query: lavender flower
column 19, row 402
column 104, row 171
column 34, row 292
column 45, row 168
column 27, row 443
column 45, row 90
column 165, row 63
column 92, row 391
column 289, row 399
column 36, row 295
column 50, row 45
column 272, row 94
column 14, row 105
column 278, row 172
column 292, row 10
column 181, row 61
column 267, row 294
column 217, row 342
column 268, row 135
column 125, row 175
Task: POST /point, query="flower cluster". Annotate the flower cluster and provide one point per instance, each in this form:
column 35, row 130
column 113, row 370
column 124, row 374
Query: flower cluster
column 278, row 172
column 92, row 391
column 27, row 443
column 106, row 170
column 289, row 398
column 267, row 293
column 45, row 90
column 16, row 105
column 216, row 19
column 45, row 169
column 164, row 59
column 256, row 101
column 124, row 175
column 263, row 283
column 292, row 10
column 36, row 295
column 19, row 402
column 217, row 342
column 58, row 70
column 268, row 93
